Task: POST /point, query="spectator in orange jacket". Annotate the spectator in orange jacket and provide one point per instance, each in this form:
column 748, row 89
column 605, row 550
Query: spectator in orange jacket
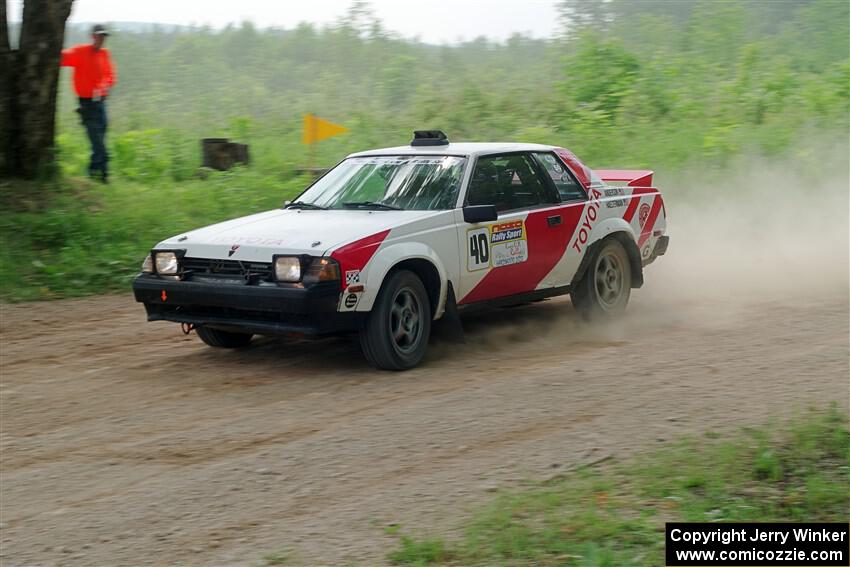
column 94, row 76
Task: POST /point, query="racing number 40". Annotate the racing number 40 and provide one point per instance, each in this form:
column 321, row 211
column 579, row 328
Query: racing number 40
column 479, row 249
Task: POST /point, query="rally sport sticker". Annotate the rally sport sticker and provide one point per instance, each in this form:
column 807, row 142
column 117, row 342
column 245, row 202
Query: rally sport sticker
column 496, row 245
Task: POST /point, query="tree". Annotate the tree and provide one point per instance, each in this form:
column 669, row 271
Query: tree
column 29, row 78
column 575, row 15
column 601, row 73
column 5, row 83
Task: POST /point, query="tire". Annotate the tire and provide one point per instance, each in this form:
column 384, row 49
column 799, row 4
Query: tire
column 223, row 339
column 604, row 289
column 395, row 336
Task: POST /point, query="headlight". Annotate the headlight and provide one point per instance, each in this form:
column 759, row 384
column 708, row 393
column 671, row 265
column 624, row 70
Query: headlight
column 322, row 270
column 287, row 269
column 166, row 263
column 147, row 265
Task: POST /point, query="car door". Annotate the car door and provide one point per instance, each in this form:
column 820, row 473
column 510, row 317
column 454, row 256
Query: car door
column 516, row 253
column 574, row 200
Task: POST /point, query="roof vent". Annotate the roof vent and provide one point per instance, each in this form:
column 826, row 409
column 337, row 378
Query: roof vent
column 429, row 138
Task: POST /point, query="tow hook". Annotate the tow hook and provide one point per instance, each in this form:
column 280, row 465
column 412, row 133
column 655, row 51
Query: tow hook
column 187, row 328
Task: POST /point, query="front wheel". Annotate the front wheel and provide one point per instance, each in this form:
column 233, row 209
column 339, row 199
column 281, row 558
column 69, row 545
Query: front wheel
column 396, row 333
column 605, row 287
column 223, row 339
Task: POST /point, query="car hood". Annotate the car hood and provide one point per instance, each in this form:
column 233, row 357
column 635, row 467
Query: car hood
column 287, row 231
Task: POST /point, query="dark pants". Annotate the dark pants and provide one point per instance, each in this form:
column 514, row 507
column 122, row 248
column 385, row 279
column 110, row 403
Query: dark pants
column 93, row 115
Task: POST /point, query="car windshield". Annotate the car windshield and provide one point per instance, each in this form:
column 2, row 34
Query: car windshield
column 423, row 183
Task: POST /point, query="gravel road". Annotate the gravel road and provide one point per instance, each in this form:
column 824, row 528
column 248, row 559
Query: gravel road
column 126, row 443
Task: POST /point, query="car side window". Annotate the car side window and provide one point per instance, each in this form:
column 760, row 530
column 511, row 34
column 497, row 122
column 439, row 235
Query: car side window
column 510, row 181
column 568, row 187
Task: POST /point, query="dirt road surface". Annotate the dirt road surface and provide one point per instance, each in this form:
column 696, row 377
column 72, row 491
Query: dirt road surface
column 126, row 443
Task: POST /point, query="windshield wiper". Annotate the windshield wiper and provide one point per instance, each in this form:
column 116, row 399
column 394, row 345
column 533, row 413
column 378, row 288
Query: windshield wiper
column 371, row 205
column 303, row 205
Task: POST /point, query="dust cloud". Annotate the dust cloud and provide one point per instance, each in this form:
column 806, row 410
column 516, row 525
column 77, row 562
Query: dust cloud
column 759, row 234
column 764, row 230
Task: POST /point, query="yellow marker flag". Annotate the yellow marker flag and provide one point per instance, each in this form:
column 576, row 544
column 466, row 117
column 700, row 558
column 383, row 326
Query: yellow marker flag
column 316, row 129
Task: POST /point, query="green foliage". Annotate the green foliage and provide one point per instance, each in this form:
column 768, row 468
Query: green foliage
column 91, row 238
column 419, row 552
column 601, row 74
column 658, row 85
column 795, row 472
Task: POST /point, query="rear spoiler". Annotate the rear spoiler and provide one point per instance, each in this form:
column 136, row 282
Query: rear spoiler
column 632, row 177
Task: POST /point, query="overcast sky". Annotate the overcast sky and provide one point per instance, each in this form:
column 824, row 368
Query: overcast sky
column 433, row 21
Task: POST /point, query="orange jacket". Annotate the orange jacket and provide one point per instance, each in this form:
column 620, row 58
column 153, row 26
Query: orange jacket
column 93, row 71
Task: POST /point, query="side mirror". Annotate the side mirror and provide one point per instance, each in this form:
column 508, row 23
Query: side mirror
column 480, row 213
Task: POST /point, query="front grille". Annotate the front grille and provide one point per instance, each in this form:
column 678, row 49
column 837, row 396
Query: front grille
column 226, row 269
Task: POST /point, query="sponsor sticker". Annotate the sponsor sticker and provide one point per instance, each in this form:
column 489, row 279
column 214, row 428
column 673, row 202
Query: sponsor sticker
column 349, row 300
column 591, row 213
column 352, row 277
column 496, row 245
column 643, row 214
column 257, row 240
column 381, row 160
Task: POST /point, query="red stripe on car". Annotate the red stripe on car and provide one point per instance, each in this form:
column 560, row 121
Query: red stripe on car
column 546, row 246
column 646, row 232
column 635, row 201
column 357, row 254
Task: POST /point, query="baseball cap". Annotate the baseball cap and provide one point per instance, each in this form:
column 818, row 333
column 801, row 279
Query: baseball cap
column 99, row 29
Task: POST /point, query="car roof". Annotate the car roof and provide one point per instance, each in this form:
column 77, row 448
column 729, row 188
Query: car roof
column 466, row 149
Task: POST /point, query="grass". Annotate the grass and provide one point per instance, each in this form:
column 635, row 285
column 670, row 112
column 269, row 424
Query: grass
column 276, row 558
column 79, row 237
column 615, row 517
column 419, row 552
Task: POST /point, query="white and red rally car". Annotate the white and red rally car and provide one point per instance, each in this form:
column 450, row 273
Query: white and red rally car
column 390, row 240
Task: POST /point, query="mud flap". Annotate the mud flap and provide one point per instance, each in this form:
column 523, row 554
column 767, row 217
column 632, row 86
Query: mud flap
column 449, row 327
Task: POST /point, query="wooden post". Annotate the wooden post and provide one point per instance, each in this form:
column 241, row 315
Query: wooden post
column 221, row 153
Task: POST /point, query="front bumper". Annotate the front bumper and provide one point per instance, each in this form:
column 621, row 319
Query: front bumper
column 261, row 309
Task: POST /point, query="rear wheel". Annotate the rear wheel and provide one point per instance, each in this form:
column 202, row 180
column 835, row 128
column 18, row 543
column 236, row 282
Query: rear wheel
column 605, row 287
column 396, row 333
column 223, row 339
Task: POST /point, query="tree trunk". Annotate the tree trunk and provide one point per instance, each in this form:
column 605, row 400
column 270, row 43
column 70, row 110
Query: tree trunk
column 5, row 87
column 31, row 89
